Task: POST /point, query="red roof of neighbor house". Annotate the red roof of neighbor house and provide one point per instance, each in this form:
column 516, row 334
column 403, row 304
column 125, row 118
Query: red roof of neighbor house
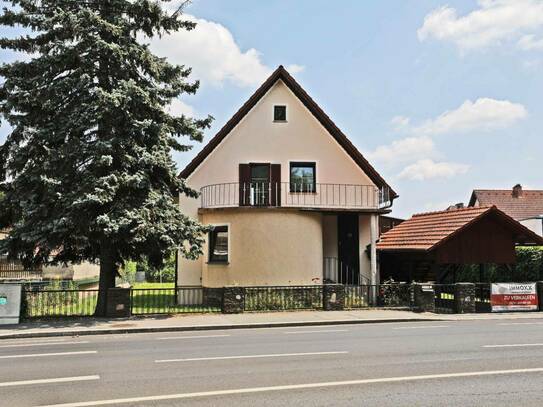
column 426, row 230
column 281, row 74
column 528, row 205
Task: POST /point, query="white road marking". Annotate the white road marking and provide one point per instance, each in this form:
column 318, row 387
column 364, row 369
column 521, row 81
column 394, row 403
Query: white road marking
column 39, row 355
column 273, row 355
column 46, row 381
column 422, row 327
column 42, row 344
column 521, row 323
column 315, row 332
column 191, row 337
column 295, row 387
column 35, row 340
column 513, row 345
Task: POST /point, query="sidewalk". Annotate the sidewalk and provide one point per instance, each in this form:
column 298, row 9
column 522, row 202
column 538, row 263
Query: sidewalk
column 196, row 322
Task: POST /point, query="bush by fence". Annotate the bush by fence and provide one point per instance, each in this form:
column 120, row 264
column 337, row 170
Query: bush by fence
column 529, row 267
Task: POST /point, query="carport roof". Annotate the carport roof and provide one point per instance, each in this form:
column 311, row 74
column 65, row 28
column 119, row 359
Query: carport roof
column 425, row 231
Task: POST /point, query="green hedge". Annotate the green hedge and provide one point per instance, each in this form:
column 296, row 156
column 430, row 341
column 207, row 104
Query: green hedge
column 529, row 267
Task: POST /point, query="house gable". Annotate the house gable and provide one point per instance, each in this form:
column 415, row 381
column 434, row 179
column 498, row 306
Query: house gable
column 298, row 136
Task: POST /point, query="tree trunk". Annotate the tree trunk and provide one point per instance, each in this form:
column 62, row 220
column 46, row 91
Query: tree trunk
column 108, row 272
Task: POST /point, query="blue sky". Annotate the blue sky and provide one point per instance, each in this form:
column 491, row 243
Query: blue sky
column 441, row 96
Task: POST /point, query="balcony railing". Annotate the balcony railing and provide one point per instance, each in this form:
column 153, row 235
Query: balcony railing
column 286, row 194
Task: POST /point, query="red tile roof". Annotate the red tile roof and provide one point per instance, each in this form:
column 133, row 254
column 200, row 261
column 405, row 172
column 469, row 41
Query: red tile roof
column 426, row 230
column 529, row 205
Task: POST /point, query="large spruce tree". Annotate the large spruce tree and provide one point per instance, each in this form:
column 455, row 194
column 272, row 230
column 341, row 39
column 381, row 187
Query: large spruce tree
column 87, row 172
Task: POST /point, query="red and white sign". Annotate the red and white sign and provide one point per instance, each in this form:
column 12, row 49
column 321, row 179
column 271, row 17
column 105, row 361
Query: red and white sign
column 513, row 297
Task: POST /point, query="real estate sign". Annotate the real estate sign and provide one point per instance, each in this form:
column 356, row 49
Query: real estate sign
column 513, row 297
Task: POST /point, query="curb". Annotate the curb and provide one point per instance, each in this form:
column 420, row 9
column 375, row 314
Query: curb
column 110, row 331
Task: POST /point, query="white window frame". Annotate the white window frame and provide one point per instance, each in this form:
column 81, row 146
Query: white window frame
column 286, row 113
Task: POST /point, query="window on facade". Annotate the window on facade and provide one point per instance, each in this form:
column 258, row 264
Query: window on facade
column 302, row 177
column 279, row 113
column 218, row 245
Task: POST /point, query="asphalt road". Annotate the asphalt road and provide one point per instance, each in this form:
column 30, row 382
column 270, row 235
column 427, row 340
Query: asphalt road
column 465, row 363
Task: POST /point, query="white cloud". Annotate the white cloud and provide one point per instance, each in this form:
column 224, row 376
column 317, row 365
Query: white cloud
column 399, row 122
column 404, row 150
column 211, row 50
column 178, row 108
column 295, row 68
column 529, row 42
column 495, row 22
column 427, row 169
column 483, row 114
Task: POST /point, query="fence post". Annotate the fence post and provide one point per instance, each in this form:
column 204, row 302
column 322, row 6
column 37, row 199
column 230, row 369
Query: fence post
column 118, row 303
column 233, row 300
column 333, row 297
column 464, row 298
column 424, row 298
column 539, row 291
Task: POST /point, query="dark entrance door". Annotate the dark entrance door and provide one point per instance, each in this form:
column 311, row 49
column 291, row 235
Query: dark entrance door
column 260, row 184
column 347, row 235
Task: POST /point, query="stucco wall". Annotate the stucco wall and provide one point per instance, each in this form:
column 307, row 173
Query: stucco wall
column 266, row 247
column 74, row 272
column 258, row 139
column 364, row 233
column 535, row 225
column 329, row 236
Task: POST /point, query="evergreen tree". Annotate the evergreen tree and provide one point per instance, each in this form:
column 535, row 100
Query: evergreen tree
column 87, row 172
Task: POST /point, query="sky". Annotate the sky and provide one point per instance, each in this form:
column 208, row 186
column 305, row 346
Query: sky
column 441, row 96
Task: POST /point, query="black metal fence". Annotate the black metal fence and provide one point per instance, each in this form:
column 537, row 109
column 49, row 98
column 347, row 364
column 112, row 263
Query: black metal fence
column 283, row 298
column 58, row 303
column 357, row 296
column 41, row 302
column 184, row 299
column 380, row 295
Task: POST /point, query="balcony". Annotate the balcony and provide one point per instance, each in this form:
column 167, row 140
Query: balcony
column 289, row 195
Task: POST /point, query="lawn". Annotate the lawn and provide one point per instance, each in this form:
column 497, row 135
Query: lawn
column 157, row 298
column 153, row 285
column 147, row 298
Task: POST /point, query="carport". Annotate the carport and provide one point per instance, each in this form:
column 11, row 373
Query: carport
column 432, row 246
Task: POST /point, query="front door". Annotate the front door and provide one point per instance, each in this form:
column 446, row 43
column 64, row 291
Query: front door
column 260, row 184
column 347, row 234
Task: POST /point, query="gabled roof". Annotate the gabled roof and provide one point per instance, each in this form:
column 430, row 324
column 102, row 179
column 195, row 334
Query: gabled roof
column 426, row 231
column 529, row 205
column 281, row 74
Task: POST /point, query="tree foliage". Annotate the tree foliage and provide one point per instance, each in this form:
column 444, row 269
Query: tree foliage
column 87, row 172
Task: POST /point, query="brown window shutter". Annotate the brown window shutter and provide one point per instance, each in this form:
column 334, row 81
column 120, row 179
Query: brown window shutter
column 244, row 184
column 275, row 179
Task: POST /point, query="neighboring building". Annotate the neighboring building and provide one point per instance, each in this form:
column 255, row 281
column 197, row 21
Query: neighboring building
column 291, row 199
column 428, row 246
column 12, row 270
column 526, row 206
column 388, row 222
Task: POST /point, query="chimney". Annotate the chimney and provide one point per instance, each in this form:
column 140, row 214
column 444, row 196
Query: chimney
column 517, row 191
column 456, row 206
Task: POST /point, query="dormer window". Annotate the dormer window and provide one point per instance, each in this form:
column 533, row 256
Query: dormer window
column 279, row 113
